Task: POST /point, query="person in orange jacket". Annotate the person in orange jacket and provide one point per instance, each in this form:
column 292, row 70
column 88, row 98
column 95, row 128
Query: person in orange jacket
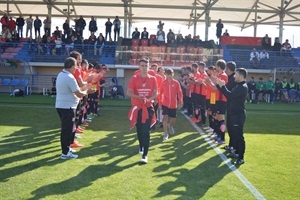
column 171, row 99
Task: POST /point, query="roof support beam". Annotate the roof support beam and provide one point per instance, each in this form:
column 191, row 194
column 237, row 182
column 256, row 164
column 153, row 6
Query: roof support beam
column 271, row 7
column 146, row 6
column 20, row 12
column 74, row 9
column 246, row 19
column 265, row 19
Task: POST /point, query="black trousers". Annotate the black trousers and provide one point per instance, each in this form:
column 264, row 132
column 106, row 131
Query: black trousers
column 37, row 32
column 235, row 126
column 67, row 118
column 143, row 130
column 116, row 31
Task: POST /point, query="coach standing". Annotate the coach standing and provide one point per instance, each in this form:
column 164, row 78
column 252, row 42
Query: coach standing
column 68, row 94
column 237, row 111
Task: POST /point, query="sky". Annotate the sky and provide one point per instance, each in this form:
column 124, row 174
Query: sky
column 291, row 33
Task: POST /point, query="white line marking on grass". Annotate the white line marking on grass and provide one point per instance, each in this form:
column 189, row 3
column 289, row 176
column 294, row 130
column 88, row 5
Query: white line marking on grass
column 240, row 176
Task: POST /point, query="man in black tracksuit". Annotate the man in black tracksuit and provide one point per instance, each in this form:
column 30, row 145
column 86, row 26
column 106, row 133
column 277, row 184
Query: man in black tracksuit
column 236, row 111
column 230, row 71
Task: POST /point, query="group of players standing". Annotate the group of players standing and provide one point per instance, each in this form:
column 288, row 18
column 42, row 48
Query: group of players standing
column 210, row 92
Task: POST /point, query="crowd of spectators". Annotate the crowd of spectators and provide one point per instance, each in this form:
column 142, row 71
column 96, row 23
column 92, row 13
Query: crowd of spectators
column 169, row 39
column 59, row 41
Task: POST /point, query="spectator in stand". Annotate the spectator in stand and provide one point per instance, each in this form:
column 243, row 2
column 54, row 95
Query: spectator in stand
column 188, row 40
column 7, row 35
column 70, row 34
column 292, row 88
column 66, row 27
column 15, row 37
column 92, row 38
column 197, row 41
column 4, row 21
column 277, row 45
column 93, row 25
column 160, row 25
column 44, row 38
column 20, row 23
column 219, row 26
column 260, row 88
column 29, row 23
column 57, row 32
column 47, row 25
column 49, row 46
column 266, row 42
column 101, row 35
column 180, row 40
column 58, row 46
column 277, row 92
column 254, row 58
column 80, row 25
column 263, row 56
column 108, row 26
column 160, row 37
column 145, row 34
column 98, row 45
column 2, row 44
column 286, row 47
column 70, row 45
column 117, row 26
column 170, row 37
column 251, row 90
column 31, row 45
column 12, row 24
column 40, row 46
column 135, row 34
column 270, row 87
column 226, row 33
column 37, row 27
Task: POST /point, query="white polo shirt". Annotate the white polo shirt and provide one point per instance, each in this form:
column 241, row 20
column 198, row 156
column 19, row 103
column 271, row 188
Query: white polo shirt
column 66, row 85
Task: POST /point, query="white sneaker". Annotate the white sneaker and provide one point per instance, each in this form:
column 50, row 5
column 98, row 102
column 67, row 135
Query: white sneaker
column 166, row 136
column 68, row 156
column 206, row 128
column 88, row 120
column 77, row 136
column 144, row 160
column 141, row 151
column 171, row 130
column 72, row 150
column 209, row 130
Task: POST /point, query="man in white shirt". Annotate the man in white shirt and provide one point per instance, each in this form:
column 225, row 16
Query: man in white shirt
column 263, row 56
column 68, row 94
column 254, row 58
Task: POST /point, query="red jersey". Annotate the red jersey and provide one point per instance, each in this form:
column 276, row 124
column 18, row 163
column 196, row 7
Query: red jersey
column 169, row 92
column 194, row 87
column 219, row 95
column 208, row 91
column 202, row 88
column 143, row 87
column 96, row 82
column 78, row 75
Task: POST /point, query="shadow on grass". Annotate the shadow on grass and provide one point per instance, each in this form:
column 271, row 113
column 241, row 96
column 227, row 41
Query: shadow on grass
column 193, row 183
column 189, row 183
column 27, row 144
column 113, row 149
